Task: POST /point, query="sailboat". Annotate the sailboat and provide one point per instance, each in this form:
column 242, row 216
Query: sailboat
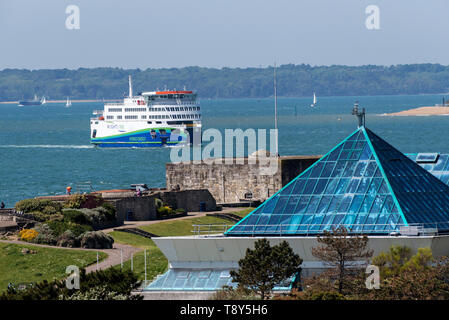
column 68, row 103
column 314, row 100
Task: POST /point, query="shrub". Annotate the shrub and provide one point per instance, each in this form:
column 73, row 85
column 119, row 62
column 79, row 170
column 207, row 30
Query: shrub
column 75, row 216
column 40, row 205
column 68, row 239
column 45, row 235
column 44, row 217
column 28, row 234
column 96, row 240
column 165, row 211
column 110, row 211
column 75, row 201
column 59, row 227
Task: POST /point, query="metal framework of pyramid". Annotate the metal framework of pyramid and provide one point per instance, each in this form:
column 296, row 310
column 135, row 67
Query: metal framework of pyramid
column 363, row 184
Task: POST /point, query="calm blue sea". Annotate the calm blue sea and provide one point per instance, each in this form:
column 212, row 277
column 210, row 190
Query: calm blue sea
column 44, row 149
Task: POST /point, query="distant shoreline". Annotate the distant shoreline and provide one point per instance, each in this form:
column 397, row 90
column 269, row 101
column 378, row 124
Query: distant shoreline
column 63, row 101
column 422, row 111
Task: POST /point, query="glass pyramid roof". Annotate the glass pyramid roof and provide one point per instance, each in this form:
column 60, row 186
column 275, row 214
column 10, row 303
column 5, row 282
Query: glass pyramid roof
column 363, row 184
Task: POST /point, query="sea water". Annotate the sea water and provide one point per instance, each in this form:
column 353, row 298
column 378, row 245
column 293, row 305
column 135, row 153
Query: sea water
column 44, row 149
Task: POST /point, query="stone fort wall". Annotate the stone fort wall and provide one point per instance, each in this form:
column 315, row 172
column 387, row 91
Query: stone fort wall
column 230, row 182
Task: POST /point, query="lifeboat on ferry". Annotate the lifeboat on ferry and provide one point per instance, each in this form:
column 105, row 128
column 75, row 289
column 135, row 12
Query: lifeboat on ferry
column 101, row 118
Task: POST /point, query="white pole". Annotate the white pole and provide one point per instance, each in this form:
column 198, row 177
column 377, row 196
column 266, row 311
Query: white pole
column 132, row 262
column 145, row 258
column 97, row 260
column 130, row 87
column 275, row 110
column 121, row 258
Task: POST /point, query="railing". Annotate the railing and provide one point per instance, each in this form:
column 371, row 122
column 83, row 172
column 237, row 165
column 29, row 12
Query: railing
column 417, row 229
column 97, row 112
column 174, row 102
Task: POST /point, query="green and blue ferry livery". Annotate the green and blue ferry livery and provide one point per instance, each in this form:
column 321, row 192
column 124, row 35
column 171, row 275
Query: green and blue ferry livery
column 150, row 119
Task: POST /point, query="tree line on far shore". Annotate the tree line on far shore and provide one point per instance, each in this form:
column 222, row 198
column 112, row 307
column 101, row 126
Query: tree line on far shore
column 292, row 81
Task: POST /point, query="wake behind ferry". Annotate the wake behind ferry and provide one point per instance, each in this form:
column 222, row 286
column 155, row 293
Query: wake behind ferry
column 150, row 119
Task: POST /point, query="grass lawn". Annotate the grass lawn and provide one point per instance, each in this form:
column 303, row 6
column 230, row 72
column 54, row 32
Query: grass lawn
column 244, row 212
column 46, row 264
column 182, row 227
column 156, row 261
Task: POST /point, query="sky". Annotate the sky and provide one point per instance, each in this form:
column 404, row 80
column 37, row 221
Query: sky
column 217, row 33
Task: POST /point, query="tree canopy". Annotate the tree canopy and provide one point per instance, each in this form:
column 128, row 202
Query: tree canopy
column 292, row 81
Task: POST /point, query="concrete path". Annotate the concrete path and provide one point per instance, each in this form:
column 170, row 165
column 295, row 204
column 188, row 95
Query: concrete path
column 114, row 255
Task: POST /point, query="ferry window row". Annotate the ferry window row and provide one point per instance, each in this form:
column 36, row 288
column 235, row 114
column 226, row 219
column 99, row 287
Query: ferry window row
column 135, row 109
column 162, row 116
column 175, row 109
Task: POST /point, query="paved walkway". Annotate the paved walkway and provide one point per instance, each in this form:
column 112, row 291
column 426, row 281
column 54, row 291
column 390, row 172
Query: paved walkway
column 115, row 255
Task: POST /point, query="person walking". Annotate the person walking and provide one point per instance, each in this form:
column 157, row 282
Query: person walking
column 2, row 205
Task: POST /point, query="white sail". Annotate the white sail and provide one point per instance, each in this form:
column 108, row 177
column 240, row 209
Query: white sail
column 314, row 98
column 68, row 103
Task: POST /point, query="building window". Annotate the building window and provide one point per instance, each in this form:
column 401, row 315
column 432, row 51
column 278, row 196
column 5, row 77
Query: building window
column 115, row 109
column 131, row 117
column 109, row 117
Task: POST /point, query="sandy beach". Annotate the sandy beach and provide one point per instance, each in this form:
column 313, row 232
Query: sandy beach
column 422, row 111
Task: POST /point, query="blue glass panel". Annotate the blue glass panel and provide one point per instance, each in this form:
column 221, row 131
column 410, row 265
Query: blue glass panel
column 359, row 221
column 302, row 204
column 378, row 173
column 316, row 222
column 440, row 165
column 344, row 155
column 291, row 204
column 349, row 144
column 269, row 206
column 339, row 168
column 328, row 168
column 212, row 281
column 383, row 188
column 360, row 145
column 338, row 219
column 360, row 168
column 313, row 204
column 327, row 221
column 262, row 222
column 364, row 184
column 366, row 153
column 280, row 205
column 273, row 223
column 349, row 220
column 377, row 205
column 344, row 206
column 356, row 203
column 316, row 170
column 335, row 203
column 382, row 221
column 341, row 187
column 320, row 186
column 285, row 222
column 366, row 204
column 310, row 185
column 353, row 184
column 355, row 155
column 324, row 203
column 305, row 223
column 299, row 186
column 349, row 169
column 370, row 221
column 330, row 189
column 334, row 154
column 392, row 223
column 370, row 169
column 294, row 223
column 288, row 189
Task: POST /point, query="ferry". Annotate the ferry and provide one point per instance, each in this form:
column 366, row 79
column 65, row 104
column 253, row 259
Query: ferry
column 35, row 102
column 149, row 119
